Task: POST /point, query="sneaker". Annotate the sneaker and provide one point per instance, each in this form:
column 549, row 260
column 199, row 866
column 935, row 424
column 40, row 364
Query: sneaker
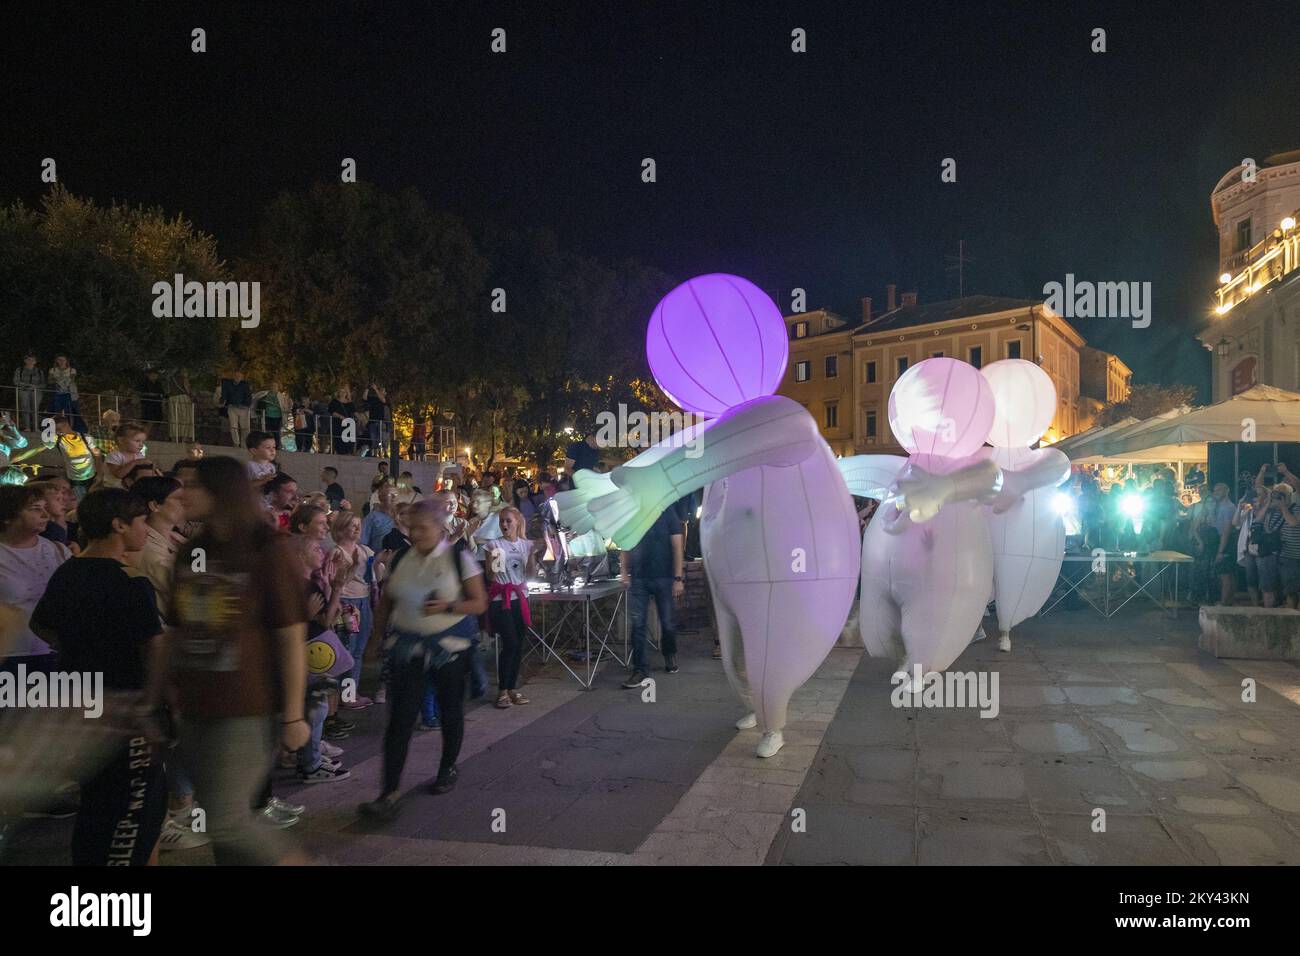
column 1004, row 642
column 329, row 762
column 382, row 808
column 325, row 773
column 278, row 819
column 635, row 680
column 503, row 700
column 342, row 723
column 381, row 695
column 670, row 663
column 293, row 809
column 361, row 703
column 446, row 780
column 177, row 837
column 327, row 749
column 717, row 652
column 435, row 724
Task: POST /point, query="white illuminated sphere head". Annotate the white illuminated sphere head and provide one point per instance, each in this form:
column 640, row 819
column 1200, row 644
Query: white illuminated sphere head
column 1025, row 402
column 941, row 406
column 715, row 342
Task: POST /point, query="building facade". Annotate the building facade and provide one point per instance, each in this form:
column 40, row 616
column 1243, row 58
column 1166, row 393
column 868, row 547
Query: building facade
column 820, row 376
column 843, row 371
column 976, row 329
column 1104, row 380
column 1254, row 332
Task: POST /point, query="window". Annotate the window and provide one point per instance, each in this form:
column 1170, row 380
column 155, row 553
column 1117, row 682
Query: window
column 936, row 354
column 799, row 330
column 977, row 356
column 832, row 416
column 801, row 371
column 1243, row 235
column 832, row 366
column 871, row 373
column 871, row 424
column 902, row 364
column 1013, row 349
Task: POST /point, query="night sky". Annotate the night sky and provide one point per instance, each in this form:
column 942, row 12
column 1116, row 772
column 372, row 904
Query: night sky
column 819, row 170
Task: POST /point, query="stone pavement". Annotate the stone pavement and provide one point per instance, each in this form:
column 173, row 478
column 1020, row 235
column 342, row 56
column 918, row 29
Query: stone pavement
column 1128, row 717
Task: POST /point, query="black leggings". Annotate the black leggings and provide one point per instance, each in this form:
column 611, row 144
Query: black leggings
column 406, row 687
column 122, row 809
column 509, row 625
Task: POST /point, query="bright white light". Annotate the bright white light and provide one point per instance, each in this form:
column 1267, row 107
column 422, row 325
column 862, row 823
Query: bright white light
column 699, row 511
column 1288, row 224
column 1062, row 503
column 1132, row 505
column 1225, row 278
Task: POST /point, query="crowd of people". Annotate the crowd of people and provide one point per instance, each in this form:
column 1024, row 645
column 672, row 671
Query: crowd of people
column 346, row 423
column 236, row 608
column 1249, row 537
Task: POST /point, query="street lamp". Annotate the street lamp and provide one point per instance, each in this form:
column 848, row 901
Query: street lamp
column 1288, row 224
column 1225, row 346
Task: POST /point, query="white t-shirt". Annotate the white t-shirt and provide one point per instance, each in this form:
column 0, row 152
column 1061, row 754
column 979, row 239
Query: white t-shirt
column 513, row 559
column 24, row 573
column 258, row 470
column 419, row 575
column 118, row 457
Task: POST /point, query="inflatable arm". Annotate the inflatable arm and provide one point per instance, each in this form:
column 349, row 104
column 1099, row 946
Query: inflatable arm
column 871, row 476
column 622, row 505
column 1046, row 467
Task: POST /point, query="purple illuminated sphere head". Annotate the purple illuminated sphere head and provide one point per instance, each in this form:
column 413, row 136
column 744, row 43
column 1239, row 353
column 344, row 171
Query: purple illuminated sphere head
column 1025, row 402
column 715, row 342
column 941, row 407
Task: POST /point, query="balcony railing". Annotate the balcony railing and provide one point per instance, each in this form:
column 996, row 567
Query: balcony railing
column 1273, row 258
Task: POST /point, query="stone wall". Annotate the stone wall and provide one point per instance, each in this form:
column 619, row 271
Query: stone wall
column 1253, row 633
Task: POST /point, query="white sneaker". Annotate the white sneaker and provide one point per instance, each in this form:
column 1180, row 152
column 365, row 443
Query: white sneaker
column 1004, row 642
column 284, row 806
column 748, row 722
column 327, row 749
column 771, row 742
column 177, row 837
column 277, row 818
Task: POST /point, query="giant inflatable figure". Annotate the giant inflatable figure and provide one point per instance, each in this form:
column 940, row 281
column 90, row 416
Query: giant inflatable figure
column 778, row 528
column 1027, row 535
column 927, row 569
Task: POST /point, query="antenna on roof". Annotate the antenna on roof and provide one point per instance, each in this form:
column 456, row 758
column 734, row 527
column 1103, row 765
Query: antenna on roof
column 958, row 264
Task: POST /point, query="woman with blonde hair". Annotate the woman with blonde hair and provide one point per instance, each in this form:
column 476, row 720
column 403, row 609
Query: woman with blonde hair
column 365, row 570
column 508, row 562
column 430, row 602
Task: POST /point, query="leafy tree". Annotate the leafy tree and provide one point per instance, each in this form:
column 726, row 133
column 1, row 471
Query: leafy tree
column 78, row 277
column 1145, row 401
column 358, row 287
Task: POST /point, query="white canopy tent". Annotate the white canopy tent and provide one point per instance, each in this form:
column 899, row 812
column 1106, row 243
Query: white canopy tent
column 1265, row 413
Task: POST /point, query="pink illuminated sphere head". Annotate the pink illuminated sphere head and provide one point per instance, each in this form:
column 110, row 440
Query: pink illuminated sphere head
column 941, row 407
column 715, row 342
column 1024, row 400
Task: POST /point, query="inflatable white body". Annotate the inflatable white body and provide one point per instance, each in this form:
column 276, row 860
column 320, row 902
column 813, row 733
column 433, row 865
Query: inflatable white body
column 781, row 553
column 1027, row 535
column 778, row 528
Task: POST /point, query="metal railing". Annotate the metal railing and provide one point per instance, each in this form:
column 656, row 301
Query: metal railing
column 187, row 420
